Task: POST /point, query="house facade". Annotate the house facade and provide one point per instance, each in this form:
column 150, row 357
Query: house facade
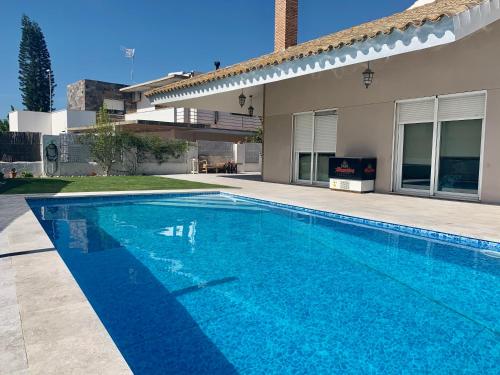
column 431, row 115
column 130, row 109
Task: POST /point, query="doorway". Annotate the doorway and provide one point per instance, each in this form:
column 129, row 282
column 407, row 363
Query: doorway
column 439, row 145
column 314, row 142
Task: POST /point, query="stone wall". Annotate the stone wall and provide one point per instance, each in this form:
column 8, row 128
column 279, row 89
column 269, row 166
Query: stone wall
column 75, row 93
column 89, row 95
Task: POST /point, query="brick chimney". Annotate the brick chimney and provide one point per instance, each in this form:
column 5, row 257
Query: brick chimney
column 285, row 24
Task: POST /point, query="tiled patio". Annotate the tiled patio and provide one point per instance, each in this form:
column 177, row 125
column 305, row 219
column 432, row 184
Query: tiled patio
column 47, row 326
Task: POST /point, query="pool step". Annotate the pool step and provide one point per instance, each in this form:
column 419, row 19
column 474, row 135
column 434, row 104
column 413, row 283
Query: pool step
column 212, row 205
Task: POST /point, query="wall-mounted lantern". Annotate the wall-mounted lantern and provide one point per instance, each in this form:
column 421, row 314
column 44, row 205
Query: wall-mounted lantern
column 368, row 76
column 251, row 108
column 242, row 98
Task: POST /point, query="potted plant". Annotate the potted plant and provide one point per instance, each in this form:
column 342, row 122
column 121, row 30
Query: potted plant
column 13, row 173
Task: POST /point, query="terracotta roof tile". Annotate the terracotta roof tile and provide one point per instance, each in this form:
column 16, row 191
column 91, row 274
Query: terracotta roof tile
column 400, row 21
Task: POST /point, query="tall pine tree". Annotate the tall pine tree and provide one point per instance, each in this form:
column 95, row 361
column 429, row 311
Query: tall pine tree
column 35, row 68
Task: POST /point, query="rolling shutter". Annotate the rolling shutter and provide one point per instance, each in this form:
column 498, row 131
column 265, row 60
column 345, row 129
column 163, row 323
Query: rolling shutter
column 325, row 132
column 303, row 125
column 461, row 107
column 114, row 105
column 416, row 112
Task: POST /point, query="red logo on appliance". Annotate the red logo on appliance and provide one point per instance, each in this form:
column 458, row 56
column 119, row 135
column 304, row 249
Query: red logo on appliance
column 344, row 168
column 369, row 169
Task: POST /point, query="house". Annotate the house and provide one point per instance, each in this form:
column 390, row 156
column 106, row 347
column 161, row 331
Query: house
column 129, row 109
column 417, row 90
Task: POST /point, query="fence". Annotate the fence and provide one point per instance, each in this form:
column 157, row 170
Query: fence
column 72, row 150
column 19, row 146
column 20, row 151
column 253, row 152
column 75, row 160
column 24, row 152
column 246, row 155
column 215, row 151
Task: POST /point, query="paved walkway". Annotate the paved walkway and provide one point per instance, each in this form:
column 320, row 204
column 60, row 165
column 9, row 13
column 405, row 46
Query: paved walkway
column 47, row 326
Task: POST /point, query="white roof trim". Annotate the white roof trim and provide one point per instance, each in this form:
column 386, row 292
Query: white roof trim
column 398, row 42
column 476, row 18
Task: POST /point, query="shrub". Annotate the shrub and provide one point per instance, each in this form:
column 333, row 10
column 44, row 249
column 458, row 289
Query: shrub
column 26, row 174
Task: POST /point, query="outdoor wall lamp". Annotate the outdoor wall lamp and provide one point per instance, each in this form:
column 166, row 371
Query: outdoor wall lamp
column 368, row 76
column 251, row 108
column 242, row 98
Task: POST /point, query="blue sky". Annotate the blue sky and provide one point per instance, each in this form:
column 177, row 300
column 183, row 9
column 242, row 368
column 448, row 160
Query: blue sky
column 84, row 36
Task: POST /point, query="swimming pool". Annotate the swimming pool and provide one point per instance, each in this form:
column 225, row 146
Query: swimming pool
column 216, row 284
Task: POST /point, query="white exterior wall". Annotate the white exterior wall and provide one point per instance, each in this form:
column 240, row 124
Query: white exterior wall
column 243, row 165
column 59, row 122
column 144, row 104
column 27, row 121
column 49, row 123
column 14, row 121
column 166, row 114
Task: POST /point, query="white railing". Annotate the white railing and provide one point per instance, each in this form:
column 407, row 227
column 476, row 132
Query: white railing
column 213, row 119
column 224, row 120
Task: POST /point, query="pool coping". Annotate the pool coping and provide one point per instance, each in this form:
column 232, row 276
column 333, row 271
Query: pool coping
column 455, row 239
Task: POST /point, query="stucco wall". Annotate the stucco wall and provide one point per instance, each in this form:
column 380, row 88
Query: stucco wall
column 59, row 122
column 166, row 115
column 491, row 157
column 366, row 116
column 28, row 121
column 277, row 148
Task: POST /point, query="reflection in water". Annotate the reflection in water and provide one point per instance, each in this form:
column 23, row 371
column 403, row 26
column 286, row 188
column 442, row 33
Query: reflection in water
column 192, row 289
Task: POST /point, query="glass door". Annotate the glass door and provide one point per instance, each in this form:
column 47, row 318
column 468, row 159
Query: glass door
column 304, row 167
column 416, row 156
column 303, row 125
column 321, row 165
column 439, row 145
column 315, row 140
column 459, row 157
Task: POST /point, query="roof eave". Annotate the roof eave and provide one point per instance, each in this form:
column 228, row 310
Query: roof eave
column 467, row 18
column 383, row 46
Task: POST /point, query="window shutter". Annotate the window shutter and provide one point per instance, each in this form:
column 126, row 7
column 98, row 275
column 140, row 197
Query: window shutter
column 114, row 105
column 325, row 132
column 303, row 126
column 416, row 112
column 461, row 107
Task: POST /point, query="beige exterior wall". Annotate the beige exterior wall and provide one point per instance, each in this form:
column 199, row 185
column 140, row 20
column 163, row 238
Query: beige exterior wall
column 366, row 116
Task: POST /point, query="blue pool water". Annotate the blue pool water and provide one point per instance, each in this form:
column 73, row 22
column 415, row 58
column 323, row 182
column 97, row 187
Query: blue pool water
column 211, row 284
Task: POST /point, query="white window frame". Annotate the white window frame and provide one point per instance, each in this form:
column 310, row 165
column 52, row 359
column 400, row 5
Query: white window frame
column 436, row 143
column 294, row 168
column 398, row 152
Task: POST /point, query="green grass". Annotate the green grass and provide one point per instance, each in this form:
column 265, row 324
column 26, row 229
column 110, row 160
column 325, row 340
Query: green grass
column 96, row 183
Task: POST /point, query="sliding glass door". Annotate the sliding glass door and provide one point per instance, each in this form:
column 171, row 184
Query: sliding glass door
column 315, row 140
column 416, row 156
column 459, row 156
column 439, row 143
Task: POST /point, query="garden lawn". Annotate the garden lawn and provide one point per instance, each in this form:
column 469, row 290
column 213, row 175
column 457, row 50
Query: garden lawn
column 96, row 183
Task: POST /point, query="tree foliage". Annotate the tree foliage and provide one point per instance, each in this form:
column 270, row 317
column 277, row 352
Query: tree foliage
column 257, row 137
column 109, row 146
column 35, row 68
column 105, row 143
column 4, row 125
